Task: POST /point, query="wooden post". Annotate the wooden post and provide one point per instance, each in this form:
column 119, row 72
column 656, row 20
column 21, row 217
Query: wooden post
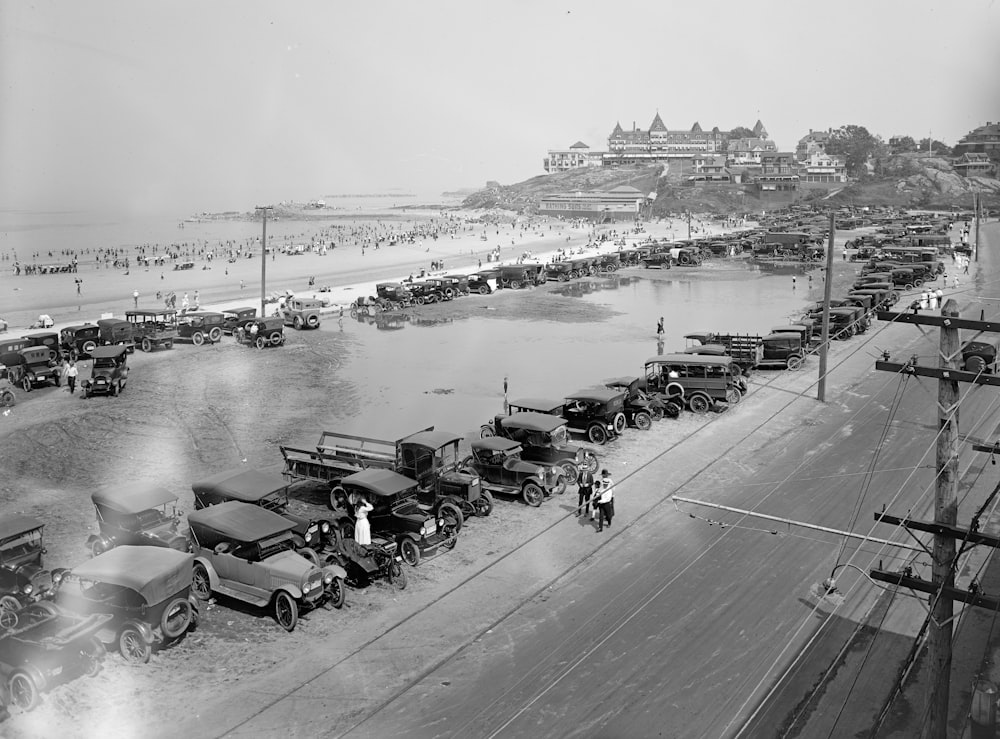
column 825, row 335
column 263, row 260
column 945, row 512
column 979, row 208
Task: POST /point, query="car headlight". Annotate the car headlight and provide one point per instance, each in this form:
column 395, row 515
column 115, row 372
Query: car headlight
column 306, row 587
column 325, row 527
column 28, row 589
column 423, row 531
column 328, row 578
column 308, row 537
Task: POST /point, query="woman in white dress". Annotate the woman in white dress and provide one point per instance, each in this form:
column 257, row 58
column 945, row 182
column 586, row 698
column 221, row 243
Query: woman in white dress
column 362, row 529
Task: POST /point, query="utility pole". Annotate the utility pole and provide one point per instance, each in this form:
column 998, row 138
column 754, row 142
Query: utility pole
column 943, row 552
column 825, row 335
column 689, row 224
column 978, row 205
column 263, row 210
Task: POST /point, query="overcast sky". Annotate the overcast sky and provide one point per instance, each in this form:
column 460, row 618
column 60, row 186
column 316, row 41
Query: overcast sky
column 177, row 107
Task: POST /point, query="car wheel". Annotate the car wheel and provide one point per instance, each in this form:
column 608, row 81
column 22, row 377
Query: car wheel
column 643, row 421
column 215, row 335
column 515, row 284
column 484, row 290
column 570, row 470
column 260, row 343
column 168, row 344
column 794, row 362
column 133, row 647
column 450, row 509
column 176, row 618
column 337, row 594
column 699, row 403
column 674, row 390
column 286, row 611
column 619, row 423
column 560, row 486
column 147, row 345
column 297, row 322
column 397, row 575
column 672, row 410
column 201, row 584
column 409, row 551
column 656, row 413
column 484, row 506
column 597, row 434
column 276, row 338
column 532, row 494
column 733, row 396
column 26, row 384
column 975, row 364
column 589, row 462
column 486, row 432
column 24, row 693
column 310, row 554
column 198, row 338
column 89, row 346
column 9, row 606
column 312, row 321
column 7, row 398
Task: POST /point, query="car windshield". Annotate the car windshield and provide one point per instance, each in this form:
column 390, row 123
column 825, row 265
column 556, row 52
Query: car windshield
column 274, row 502
column 150, row 518
column 275, row 545
column 104, row 363
column 28, row 542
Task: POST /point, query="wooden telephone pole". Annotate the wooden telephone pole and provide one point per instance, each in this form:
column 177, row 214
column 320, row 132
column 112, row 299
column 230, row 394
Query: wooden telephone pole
column 824, row 343
column 263, row 210
column 944, row 527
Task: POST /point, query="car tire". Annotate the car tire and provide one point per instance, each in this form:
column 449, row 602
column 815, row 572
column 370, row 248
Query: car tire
column 147, row 345
column 312, row 321
column 24, row 693
column 485, row 432
column 656, row 413
column 794, row 362
column 597, row 434
column 286, row 611
column 532, row 494
column 198, row 338
column 733, row 396
column 89, row 346
column 310, row 554
column 26, row 384
column 589, row 462
column 215, row 335
column 133, row 647
column 484, row 506
column 7, row 398
column 260, row 343
column 619, row 423
column 515, row 284
column 297, row 323
column 201, row 583
column 643, row 421
column 450, row 509
column 9, row 606
column 176, row 618
column 409, row 551
column 397, row 575
column 674, row 390
column 699, row 403
column 276, row 338
column 560, row 486
column 570, row 470
column 337, row 593
column 484, row 290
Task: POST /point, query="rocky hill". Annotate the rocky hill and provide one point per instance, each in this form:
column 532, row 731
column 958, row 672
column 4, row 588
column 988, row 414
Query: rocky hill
column 906, row 180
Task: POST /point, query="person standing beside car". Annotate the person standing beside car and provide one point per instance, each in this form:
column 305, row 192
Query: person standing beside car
column 605, row 501
column 362, row 529
column 585, row 488
column 71, row 372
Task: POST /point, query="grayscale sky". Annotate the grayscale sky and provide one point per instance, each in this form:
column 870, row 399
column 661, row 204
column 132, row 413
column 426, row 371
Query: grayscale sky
column 180, row 106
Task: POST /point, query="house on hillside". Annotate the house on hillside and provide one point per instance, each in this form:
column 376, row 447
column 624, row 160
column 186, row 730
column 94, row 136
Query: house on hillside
column 814, row 142
column 708, row 168
column 822, row 169
column 622, row 203
column 743, row 152
column 576, row 156
column 983, row 140
column 778, row 172
column 661, row 144
column 974, row 165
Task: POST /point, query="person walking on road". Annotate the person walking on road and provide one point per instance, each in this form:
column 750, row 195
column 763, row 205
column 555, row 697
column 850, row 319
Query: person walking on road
column 585, row 488
column 71, row 372
column 605, row 500
column 659, row 328
column 135, row 298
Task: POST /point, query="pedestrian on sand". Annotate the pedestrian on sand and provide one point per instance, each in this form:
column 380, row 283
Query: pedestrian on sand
column 606, row 500
column 135, row 297
column 966, row 263
column 585, row 488
column 939, row 294
column 659, row 328
column 924, row 300
column 362, row 529
column 71, row 373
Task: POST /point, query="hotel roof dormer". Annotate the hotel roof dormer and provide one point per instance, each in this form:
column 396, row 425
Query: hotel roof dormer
column 657, row 125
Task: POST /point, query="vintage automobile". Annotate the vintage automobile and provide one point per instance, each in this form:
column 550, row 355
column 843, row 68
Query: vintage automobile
column 201, row 327
column 608, row 263
column 145, row 593
column 544, row 438
column 638, row 402
column 702, row 380
column 979, row 356
column 450, row 286
column 397, row 514
column 516, row 276
column 269, row 491
column 394, row 294
column 79, row 341
column 367, row 563
column 115, row 331
column 109, row 373
column 301, row 313
column 431, row 458
column 23, row 579
column 48, row 339
column 425, row 292
column 153, row 328
column 248, row 553
column 497, row 461
column 33, row 365
column 582, row 266
column 595, row 414
column 559, row 271
column 41, row 646
column 7, row 397
column 782, row 350
column 270, row 332
column 484, row 282
column 236, row 317
column 136, row 516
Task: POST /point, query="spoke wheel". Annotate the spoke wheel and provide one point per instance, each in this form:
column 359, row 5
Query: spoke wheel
column 198, row 338
column 794, row 362
column 484, row 506
column 597, row 434
column 532, row 494
column 699, row 403
column 446, row 510
column 643, row 421
column 619, row 423
column 397, row 575
column 23, row 691
column 571, row 471
column 133, row 647
column 337, row 594
column 409, row 551
column 176, row 618
column 201, row 585
column 286, row 611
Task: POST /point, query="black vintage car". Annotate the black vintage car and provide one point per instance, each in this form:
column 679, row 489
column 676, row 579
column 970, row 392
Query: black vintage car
column 153, row 328
column 431, row 459
column 32, row 366
column 269, row 491
column 109, row 373
column 236, row 317
column 640, row 411
column 201, row 327
column 42, row 645
column 484, row 281
column 262, row 332
column 545, row 439
column 115, row 331
column 397, row 514
column 140, row 516
column 144, row 593
column 497, row 461
column 425, row 292
column 23, row 579
column 79, row 341
column 595, row 414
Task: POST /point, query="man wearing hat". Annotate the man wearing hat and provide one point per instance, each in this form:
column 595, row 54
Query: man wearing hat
column 605, row 500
